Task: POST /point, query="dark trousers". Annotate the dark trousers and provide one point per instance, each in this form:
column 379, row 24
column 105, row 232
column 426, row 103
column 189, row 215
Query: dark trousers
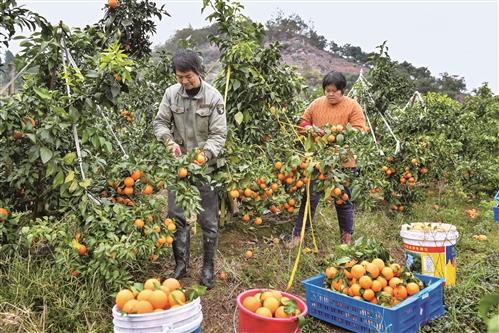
column 344, row 212
column 207, row 219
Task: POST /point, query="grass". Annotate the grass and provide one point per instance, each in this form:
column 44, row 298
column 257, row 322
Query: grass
column 35, row 297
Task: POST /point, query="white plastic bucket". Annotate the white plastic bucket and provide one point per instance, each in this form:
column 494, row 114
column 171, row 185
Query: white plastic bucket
column 184, row 319
column 430, row 249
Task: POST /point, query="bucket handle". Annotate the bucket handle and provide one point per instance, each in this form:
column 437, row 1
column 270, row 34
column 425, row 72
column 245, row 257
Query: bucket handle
column 167, row 328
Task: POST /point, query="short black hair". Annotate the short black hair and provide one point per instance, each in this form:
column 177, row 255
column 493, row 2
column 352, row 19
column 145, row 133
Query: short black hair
column 334, row 78
column 186, row 60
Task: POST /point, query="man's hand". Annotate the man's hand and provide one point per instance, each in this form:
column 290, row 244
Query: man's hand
column 174, row 148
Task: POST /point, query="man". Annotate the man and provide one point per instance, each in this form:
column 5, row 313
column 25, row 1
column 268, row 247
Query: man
column 192, row 116
column 331, row 109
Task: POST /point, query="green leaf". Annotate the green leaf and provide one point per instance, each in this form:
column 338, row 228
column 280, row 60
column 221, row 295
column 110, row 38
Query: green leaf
column 43, row 93
column 70, row 177
column 45, row 154
column 59, row 179
column 69, row 158
column 73, row 187
column 239, row 118
column 85, row 183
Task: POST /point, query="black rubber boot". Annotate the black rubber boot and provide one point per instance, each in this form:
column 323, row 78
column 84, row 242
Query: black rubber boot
column 210, row 245
column 181, row 252
column 181, row 237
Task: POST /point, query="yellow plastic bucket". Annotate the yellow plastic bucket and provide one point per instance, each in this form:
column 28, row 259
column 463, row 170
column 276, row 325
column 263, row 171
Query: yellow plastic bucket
column 430, row 249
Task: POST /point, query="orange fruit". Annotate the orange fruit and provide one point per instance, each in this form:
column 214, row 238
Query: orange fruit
column 112, row 4
column 331, row 272
column 128, row 191
column 248, row 254
column 379, row 262
column 365, row 282
column 248, row 192
column 396, row 269
column 129, row 181
column 382, row 280
column 122, row 297
column 271, row 303
column 158, row 299
column 358, row 271
column 148, row 189
column 337, row 285
column 176, row 297
column 234, row 194
column 82, row 250
column 258, row 221
column 372, row 270
column 263, row 311
column 388, row 290
column 4, row 213
column 182, row 172
column 246, row 218
column 387, row 273
column 167, row 221
column 355, row 288
column 251, row 303
column 139, row 223
column 171, row 227
column 376, row 286
column 144, row 295
column 129, row 306
column 200, row 158
column 280, row 313
column 394, row 282
column 136, row 174
column 277, row 294
column 368, row 294
column 278, row 165
column 143, row 307
column 152, row 284
column 400, row 292
column 169, row 239
column 171, row 284
column 266, row 294
column 412, row 288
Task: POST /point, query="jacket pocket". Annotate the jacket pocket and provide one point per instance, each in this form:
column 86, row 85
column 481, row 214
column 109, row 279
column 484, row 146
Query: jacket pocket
column 178, row 123
column 203, row 122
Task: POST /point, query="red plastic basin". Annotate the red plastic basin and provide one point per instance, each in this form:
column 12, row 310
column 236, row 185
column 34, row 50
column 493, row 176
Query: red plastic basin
column 250, row 322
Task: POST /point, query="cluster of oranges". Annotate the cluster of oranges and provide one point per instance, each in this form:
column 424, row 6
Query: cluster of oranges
column 168, row 225
column 129, row 186
column 154, row 297
column 271, row 304
column 374, row 282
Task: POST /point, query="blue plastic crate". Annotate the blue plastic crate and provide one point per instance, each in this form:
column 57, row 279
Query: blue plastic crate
column 496, row 213
column 497, row 197
column 360, row 316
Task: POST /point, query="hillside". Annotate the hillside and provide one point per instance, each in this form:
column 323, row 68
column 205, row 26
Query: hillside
column 311, row 62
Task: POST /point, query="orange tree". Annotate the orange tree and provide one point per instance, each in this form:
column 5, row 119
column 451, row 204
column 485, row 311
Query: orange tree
column 254, row 77
column 44, row 176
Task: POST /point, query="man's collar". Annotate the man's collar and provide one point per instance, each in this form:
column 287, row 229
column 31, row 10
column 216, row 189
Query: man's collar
column 199, row 95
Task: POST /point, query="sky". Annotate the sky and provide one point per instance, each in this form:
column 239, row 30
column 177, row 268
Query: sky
column 459, row 37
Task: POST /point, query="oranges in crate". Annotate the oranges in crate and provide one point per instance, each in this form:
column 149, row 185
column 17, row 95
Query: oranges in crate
column 373, row 281
column 271, row 304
